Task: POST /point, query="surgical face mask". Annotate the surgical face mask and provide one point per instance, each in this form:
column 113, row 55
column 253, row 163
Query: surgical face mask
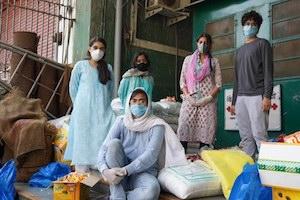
column 250, row 31
column 142, row 67
column 138, row 110
column 202, row 47
column 97, row 54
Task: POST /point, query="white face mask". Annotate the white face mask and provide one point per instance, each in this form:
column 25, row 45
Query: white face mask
column 97, row 54
column 202, row 47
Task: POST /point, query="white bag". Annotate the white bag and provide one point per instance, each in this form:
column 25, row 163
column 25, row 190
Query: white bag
column 167, row 108
column 117, row 107
column 60, row 122
column 190, row 181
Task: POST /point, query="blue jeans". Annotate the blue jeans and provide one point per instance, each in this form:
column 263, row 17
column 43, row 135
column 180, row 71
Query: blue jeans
column 141, row 186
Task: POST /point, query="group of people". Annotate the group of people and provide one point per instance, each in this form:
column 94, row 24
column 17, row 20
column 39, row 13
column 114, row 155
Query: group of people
column 130, row 150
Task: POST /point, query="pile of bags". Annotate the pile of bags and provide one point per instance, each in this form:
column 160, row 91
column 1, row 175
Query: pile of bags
column 194, row 180
column 26, row 136
column 213, row 176
column 167, row 109
column 61, row 138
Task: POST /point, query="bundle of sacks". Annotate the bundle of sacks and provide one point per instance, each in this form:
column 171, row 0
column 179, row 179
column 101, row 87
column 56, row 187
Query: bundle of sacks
column 213, row 176
column 61, row 138
column 25, row 134
column 194, row 180
column 167, row 109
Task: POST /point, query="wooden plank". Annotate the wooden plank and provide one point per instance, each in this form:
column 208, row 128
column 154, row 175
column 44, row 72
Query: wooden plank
column 167, row 196
column 27, row 195
column 26, row 192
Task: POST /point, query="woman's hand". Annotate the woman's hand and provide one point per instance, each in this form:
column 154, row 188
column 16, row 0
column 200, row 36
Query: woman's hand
column 214, row 92
column 114, row 175
column 185, row 92
column 202, row 102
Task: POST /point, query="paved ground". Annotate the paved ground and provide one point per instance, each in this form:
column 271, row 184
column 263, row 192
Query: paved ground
column 98, row 192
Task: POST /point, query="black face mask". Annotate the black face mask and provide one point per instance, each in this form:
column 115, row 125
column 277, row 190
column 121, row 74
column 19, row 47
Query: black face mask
column 142, row 67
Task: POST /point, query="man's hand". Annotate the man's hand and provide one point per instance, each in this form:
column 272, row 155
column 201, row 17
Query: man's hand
column 232, row 110
column 266, row 104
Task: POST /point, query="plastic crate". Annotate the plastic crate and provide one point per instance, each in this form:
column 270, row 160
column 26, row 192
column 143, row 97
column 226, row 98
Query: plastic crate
column 284, row 194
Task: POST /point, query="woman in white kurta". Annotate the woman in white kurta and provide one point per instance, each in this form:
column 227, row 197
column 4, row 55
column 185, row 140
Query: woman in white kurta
column 91, row 87
column 200, row 82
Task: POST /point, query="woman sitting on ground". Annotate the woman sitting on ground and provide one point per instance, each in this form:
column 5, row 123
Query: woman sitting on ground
column 131, row 157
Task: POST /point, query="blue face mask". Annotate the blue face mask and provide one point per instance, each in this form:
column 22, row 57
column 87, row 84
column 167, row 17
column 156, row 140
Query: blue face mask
column 138, row 110
column 250, row 31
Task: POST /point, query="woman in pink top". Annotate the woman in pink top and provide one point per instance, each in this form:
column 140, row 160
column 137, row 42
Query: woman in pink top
column 200, row 82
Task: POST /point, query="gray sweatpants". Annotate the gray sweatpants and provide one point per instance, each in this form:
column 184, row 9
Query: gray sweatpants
column 141, row 186
column 252, row 123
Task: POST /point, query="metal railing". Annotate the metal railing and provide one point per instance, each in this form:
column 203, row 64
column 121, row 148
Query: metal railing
column 45, row 63
column 51, row 20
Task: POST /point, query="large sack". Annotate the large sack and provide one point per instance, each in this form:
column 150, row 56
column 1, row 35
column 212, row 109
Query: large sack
column 248, row 186
column 167, row 108
column 228, row 164
column 25, row 133
column 61, row 138
column 190, row 181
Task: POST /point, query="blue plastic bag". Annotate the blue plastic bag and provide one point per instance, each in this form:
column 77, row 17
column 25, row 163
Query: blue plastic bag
column 51, row 172
column 7, row 180
column 247, row 186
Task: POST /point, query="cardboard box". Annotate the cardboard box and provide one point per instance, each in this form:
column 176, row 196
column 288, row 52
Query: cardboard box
column 279, row 165
column 70, row 191
column 66, row 190
column 293, row 138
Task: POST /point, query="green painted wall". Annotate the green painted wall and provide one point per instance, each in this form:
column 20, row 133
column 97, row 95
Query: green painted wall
column 290, row 95
column 108, row 27
column 96, row 17
column 81, row 29
column 165, row 67
column 209, row 11
column 90, row 22
column 290, row 87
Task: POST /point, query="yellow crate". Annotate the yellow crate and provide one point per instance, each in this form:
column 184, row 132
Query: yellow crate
column 284, row 194
column 70, row 191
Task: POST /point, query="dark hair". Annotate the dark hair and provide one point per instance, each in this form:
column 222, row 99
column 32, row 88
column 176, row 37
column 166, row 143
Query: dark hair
column 102, row 67
column 142, row 53
column 252, row 15
column 139, row 91
column 209, row 43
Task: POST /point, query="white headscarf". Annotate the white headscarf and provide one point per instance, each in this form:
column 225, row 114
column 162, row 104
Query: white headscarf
column 174, row 152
